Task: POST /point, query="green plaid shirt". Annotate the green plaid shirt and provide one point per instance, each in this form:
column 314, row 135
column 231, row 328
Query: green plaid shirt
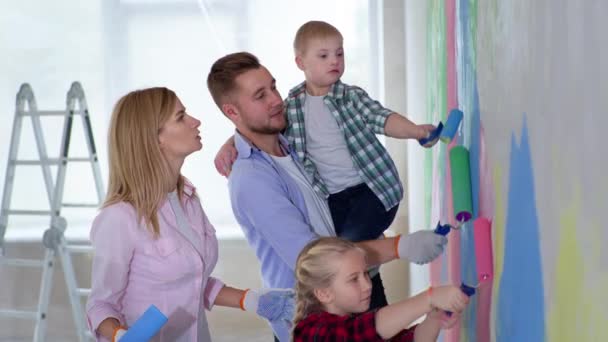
column 360, row 118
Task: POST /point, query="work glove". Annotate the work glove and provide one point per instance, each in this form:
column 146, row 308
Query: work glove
column 420, row 247
column 271, row 304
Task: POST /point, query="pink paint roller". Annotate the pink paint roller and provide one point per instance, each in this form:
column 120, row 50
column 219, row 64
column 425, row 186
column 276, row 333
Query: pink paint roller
column 483, row 249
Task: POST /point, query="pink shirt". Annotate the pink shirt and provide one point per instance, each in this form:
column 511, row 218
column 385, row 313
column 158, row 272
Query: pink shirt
column 132, row 270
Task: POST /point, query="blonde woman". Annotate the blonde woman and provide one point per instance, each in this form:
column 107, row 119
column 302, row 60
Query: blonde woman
column 333, row 292
column 153, row 242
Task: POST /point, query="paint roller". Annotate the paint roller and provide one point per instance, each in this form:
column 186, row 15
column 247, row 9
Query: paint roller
column 483, row 253
column 444, row 132
column 146, row 326
column 461, row 184
column 451, row 126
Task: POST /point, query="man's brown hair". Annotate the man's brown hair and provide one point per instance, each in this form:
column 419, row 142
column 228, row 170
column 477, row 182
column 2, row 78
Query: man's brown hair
column 223, row 73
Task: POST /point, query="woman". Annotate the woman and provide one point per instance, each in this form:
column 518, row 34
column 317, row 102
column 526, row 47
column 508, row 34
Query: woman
column 153, row 242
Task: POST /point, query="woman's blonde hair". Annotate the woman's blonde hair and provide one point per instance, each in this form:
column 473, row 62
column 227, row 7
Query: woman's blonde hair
column 139, row 173
column 315, row 271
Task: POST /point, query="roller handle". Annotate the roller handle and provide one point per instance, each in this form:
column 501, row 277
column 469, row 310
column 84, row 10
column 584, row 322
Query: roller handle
column 442, row 229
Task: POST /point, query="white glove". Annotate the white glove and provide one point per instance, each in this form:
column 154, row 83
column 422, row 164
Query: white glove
column 271, row 304
column 420, row 247
column 118, row 334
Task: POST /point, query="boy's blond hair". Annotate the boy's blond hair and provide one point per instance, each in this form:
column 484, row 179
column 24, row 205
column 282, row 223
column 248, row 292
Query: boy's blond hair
column 313, row 30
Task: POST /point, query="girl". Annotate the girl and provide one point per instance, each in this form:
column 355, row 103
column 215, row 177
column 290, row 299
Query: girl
column 333, row 294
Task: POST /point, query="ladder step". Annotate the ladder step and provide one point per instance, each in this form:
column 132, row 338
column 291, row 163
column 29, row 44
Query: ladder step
column 80, row 205
column 51, row 161
column 28, row 212
column 83, row 292
column 48, row 112
column 79, row 248
column 33, row 315
column 21, row 262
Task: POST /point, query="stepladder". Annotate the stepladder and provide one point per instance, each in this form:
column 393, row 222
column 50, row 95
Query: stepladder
column 53, row 241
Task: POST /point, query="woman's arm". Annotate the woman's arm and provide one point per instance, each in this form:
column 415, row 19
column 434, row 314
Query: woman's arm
column 230, row 297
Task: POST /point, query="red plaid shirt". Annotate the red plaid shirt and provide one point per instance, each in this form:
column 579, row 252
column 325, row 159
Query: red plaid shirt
column 323, row 326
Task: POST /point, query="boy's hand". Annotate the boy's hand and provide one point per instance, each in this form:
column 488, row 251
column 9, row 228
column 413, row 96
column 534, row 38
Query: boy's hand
column 448, row 298
column 424, row 131
column 224, row 159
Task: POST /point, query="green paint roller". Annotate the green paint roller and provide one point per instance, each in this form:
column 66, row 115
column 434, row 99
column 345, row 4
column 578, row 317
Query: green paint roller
column 461, row 184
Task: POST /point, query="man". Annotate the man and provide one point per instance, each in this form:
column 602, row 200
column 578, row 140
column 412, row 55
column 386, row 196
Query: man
column 271, row 196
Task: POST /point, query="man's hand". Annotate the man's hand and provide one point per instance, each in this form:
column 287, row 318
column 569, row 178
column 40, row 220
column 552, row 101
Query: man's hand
column 420, row 247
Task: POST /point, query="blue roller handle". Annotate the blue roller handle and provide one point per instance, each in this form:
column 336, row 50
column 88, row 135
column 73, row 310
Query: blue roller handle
column 146, row 326
column 442, row 229
column 432, row 136
column 468, row 290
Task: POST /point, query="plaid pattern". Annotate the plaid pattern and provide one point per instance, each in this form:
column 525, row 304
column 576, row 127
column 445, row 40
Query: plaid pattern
column 319, row 327
column 360, row 118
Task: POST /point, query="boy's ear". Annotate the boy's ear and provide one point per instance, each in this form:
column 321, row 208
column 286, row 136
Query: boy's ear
column 324, row 295
column 299, row 62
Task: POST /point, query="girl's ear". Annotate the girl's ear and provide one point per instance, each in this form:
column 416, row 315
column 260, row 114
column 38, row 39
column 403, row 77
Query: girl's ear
column 324, row 295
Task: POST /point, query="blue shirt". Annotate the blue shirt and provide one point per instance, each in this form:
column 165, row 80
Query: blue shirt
column 271, row 211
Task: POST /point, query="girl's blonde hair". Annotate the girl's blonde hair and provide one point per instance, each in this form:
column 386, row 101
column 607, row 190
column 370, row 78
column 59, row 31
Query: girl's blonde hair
column 139, row 173
column 315, row 271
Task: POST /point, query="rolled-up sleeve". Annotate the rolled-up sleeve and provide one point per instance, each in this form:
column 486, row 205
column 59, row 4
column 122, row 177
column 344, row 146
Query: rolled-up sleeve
column 374, row 113
column 213, row 288
column 113, row 251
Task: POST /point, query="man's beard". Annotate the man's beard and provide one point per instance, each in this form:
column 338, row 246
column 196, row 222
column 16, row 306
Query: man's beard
column 266, row 129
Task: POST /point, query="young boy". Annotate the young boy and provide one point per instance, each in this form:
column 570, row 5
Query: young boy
column 332, row 127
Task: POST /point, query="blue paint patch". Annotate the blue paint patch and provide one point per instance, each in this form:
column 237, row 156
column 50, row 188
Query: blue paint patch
column 521, row 307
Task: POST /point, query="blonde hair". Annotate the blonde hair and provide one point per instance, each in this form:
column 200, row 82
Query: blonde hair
column 314, row 271
column 313, row 30
column 139, row 173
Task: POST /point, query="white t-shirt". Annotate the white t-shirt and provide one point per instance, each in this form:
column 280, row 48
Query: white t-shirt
column 327, row 148
column 318, row 210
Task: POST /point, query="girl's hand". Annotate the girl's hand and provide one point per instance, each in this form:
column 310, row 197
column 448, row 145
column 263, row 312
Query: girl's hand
column 448, row 298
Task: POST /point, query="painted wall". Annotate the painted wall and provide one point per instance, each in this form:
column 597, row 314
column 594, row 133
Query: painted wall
column 531, row 79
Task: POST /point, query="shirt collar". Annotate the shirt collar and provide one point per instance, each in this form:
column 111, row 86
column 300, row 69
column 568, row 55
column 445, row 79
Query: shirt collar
column 336, row 91
column 245, row 147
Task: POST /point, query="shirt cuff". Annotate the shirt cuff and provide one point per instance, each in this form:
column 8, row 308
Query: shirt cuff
column 97, row 315
column 213, row 288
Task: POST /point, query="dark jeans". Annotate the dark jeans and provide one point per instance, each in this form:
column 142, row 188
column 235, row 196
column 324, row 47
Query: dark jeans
column 359, row 215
